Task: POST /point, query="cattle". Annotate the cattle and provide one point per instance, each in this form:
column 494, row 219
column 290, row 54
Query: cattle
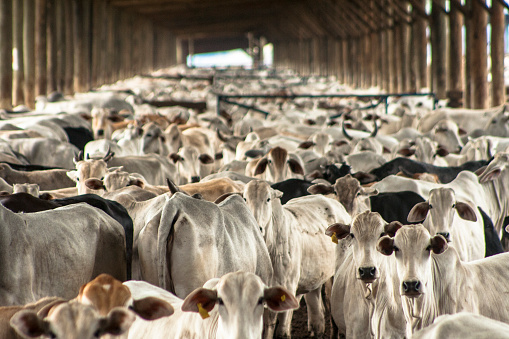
column 79, row 136
column 72, row 320
column 464, row 325
column 298, row 250
column 186, row 241
column 88, row 168
column 46, row 179
column 363, row 302
column 439, row 215
column 46, row 152
column 153, row 167
column 277, row 165
column 228, row 307
column 445, row 174
column 102, row 122
column 433, row 280
column 32, row 189
column 292, row 188
column 84, row 242
column 41, row 306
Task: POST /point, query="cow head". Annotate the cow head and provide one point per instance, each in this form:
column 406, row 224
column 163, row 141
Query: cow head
column 239, row 298
column 277, row 165
column 89, row 168
column 153, row 140
column 115, row 179
column 348, row 192
column 32, row 189
column 439, row 211
column 412, row 247
column 365, row 231
column 260, row 199
column 495, row 168
column 191, row 165
column 447, row 134
column 102, row 122
column 173, row 138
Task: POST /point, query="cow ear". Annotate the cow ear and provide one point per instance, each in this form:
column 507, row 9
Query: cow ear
column 277, row 194
column 441, row 151
column 280, row 299
column 369, row 191
column 306, row 144
column 223, row 197
column 206, row 159
column 254, row 153
column 152, row 308
column 136, row 182
column 418, row 212
column 261, row 166
column 118, row 321
column 462, row 131
column 94, row 184
column 200, row 299
column 338, row 230
column 28, row 324
column 406, row 152
column 175, row 157
column 490, row 175
column 392, row 227
column 218, row 156
column 480, row 170
column 364, row 178
column 465, row 211
column 46, row 196
column 73, row 175
column 385, row 245
column 321, row 189
column 438, row 244
column 295, row 167
column 86, row 116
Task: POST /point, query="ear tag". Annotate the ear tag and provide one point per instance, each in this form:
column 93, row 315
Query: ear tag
column 334, row 238
column 203, row 312
column 283, row 298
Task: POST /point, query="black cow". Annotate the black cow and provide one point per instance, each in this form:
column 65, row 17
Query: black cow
column 292, row 188
column 408, row 166
column 395, row 206
column 79, row 136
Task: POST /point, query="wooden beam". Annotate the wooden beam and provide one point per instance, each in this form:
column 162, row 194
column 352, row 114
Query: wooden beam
column 29, row 51
column 6, row 54
column 479, row 54
column 51, row 46
column 18, row 97
column 438, row 50
column 40, row 47
column 419, row 8
column 497, row 54
column 455, row 56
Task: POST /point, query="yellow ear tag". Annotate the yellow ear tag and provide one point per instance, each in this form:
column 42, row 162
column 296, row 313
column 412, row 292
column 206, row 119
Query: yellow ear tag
column 203, row 312
column 334, row 238
column 283, row 297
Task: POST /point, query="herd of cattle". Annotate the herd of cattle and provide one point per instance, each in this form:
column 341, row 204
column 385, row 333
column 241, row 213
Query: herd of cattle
column 131, row 211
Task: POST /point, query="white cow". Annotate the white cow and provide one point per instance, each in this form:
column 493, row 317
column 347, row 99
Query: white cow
column 434, row 281
column 74, row 243
column 363, row 304
column 438, row 215
column 299, row 251
column 228, row 307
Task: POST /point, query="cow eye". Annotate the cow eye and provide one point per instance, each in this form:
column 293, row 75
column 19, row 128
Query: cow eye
column 220, row 301
column 396, row 249
column 52, row 335
column 351, row 235
column 268, row 199
column 97, row 334
column 430, row 206
column 260, row 301
column 428, row 248
column 382, row 234
column 453, row 205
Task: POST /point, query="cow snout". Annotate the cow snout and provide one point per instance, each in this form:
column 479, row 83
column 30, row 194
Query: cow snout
column 411, row 288
column 100, row 132
column 446, row 235
column 195, row 179
column 367, row 274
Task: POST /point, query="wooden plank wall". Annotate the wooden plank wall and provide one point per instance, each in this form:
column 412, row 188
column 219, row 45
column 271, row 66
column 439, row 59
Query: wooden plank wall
column 73, row 46
column 383, row 43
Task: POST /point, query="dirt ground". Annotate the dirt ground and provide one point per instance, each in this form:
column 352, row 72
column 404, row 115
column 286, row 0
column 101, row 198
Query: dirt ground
column 300, row 323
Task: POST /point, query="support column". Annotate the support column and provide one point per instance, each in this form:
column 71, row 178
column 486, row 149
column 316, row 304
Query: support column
column 455, row 93
column 479, row 54
column 40, row 48
column 6, row 54
column 439, row 49
column 421, row 49
column 29, row 51
column 497, row 54
column 61, row 44
column 51, row 46
column 69, row 48
column 18, row 97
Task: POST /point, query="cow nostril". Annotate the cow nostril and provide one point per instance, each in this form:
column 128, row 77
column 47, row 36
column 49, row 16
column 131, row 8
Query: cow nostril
column 372, row 271
column 100, row 132
column 195, row 179
column 446, row 235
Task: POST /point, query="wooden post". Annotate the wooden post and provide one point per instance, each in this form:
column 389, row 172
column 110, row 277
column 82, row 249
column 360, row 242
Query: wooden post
column 497, row 54
column 393, row 63
column 79, row 50
column 398, row 60
column 421, row 49
column 97, row 29
column 51, row 46
column 405, row 57
column 439, row 49
column 18, row 97
column 110, row 61
column 61, row 44
column 29, row 51
column 6, row 54
column 87, row 39
column 40, row 47
column 455, row 92
column 467, row 101
column 479, row 54
column 69, row 48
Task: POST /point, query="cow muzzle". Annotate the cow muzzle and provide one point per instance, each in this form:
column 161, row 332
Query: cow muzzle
column 195, row 179
column 411, row 288
column 367, row 274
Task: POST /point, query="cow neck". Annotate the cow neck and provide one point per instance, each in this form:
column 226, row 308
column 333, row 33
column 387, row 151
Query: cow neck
column 277, row 238
column 499, row 204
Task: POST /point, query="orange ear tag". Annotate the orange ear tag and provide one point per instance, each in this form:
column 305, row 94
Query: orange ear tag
column 203, row 312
